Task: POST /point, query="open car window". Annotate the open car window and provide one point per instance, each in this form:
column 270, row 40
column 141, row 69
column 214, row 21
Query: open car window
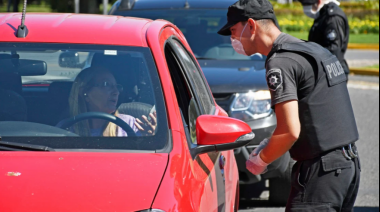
column 81, row 97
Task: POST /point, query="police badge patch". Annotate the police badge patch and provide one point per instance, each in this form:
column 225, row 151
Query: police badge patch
column 331, row 36
column 274, row 79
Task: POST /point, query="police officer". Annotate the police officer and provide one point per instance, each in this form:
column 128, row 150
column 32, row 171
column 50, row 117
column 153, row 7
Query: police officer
column 316, row 122
column 330, row 29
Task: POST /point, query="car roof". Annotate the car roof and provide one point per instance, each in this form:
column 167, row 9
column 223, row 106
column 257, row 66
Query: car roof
column 75, row 28
column 176, row 4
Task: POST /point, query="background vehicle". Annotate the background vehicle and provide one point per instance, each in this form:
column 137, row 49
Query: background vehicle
column 237, row 82
column 188, row 165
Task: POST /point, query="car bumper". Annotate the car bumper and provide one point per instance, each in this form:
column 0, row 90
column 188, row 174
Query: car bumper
column 263, row 128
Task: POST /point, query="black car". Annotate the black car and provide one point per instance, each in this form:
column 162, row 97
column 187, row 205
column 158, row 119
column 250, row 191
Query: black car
column 237, row 82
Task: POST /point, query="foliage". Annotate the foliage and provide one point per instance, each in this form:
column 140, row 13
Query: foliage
column 355, row 9
column 292, row 23
column 354, row 39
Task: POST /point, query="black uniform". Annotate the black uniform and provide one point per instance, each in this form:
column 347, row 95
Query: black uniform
column 331, row 30
column 325, row 177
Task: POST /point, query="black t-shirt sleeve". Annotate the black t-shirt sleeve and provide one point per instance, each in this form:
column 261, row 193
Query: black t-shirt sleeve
column 282, row 77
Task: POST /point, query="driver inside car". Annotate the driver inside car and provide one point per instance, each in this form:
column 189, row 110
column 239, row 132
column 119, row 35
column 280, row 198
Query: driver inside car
column 96, row 90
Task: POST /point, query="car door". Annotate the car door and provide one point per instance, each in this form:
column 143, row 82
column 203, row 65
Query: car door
column 201, row 103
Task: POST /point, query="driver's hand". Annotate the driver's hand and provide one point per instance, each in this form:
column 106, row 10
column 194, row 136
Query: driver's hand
column 145, row 126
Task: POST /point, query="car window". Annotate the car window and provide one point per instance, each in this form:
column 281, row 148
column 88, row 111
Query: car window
column 200, row 27
column 65, row 96
column 185, row 95
column 193, row 71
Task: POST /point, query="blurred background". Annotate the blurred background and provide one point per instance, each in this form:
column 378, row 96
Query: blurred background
column 363, row 15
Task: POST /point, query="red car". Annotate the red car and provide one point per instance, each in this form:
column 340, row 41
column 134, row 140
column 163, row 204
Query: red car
column 104, row 113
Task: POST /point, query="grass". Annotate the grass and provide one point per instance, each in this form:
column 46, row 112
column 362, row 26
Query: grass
column 365, row 39
column 360, row 39
column 43, row 8
column 373, row 67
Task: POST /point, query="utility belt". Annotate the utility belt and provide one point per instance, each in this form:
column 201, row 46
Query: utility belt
column 349, row 152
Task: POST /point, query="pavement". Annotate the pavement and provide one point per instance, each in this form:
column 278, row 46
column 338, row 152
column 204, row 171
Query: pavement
column 364, row 91
column 362, row 58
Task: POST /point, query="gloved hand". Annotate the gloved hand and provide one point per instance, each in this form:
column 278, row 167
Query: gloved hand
column 260, row 148
column 256, row 165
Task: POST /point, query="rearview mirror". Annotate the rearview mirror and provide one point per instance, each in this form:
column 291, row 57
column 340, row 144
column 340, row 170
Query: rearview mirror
column 24, row 67
column 218, row 133
column 70, row 59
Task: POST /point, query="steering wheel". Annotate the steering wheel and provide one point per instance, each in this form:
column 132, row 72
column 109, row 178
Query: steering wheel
column 65, row 124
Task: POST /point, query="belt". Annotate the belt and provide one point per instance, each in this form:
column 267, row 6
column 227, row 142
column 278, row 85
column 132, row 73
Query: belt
column 350, row 152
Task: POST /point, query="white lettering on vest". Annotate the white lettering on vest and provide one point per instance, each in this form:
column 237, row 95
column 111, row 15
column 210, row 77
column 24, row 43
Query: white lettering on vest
column 341, row 71
column 335, row 70
column 329, row 70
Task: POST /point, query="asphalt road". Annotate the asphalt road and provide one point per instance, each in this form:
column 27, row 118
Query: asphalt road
column 362, row 58
column 364, row 93
column 362, row 55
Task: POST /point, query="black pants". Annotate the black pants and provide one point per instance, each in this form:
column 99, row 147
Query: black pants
column 328, row 183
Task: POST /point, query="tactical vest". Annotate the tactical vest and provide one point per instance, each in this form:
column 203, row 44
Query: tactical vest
column 326, row 114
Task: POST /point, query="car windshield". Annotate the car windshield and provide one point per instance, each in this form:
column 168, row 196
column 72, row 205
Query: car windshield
column 200, row 28
column 81, row 97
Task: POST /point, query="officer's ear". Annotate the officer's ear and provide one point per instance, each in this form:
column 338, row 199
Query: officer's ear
column 252, row 26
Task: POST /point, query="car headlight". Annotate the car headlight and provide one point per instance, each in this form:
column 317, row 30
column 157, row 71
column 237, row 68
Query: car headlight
column 251, row 106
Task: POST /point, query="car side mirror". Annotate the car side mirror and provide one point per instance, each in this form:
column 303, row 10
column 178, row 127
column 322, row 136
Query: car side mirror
column 218, row 133
column 70, row 59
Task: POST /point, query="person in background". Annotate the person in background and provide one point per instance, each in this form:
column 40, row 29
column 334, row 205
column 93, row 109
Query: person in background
column 330, row 29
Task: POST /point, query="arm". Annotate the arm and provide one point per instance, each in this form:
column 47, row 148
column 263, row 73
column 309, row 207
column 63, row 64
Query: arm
column 334, row 35
column 286, row 134
column 131, row 121
column 282, row 83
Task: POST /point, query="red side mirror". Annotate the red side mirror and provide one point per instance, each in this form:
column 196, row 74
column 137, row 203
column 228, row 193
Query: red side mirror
column 215, row 130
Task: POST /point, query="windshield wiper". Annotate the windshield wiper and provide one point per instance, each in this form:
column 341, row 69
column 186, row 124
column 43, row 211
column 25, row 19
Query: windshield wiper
column 11, row 146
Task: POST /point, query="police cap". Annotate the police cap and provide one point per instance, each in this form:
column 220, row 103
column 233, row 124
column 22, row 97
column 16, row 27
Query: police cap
column 245, row 9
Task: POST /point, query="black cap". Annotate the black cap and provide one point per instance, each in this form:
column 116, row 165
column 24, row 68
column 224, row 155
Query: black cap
column 246, row 9
column 308, row 2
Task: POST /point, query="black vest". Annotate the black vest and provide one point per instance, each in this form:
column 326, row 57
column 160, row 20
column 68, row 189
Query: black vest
column 326, row 114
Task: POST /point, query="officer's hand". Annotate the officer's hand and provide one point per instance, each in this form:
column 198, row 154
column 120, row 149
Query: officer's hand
column 262, row 146
column 256, row 165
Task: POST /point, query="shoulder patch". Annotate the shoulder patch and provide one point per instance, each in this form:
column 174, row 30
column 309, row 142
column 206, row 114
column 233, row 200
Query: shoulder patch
column 274, row 79
column 331, row 36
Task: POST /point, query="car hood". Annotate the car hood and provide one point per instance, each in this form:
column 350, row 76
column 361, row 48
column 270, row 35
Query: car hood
column 79, row 181
column 234, row 76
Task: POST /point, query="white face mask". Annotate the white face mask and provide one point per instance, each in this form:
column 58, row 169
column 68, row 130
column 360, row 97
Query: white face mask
column 238, row 46
column 308, row 10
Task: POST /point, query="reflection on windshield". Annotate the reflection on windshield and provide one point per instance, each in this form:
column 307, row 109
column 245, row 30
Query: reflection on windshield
column 200, row 28
column 55, row 72
column 57, row 91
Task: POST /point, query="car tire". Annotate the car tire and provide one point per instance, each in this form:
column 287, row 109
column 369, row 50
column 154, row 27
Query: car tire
column 279, row 188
